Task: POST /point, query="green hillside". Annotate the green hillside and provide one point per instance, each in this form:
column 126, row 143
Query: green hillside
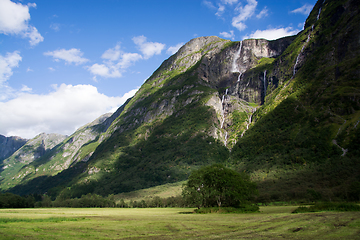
column 284, row 111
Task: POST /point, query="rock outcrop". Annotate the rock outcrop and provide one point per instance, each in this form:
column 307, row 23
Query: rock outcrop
column 9, row 145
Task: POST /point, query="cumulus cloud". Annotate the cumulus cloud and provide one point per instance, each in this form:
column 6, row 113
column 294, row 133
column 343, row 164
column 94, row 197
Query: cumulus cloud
column 105, row 70
column 148, row 49
column 61, row 111
column 127, row 59
column 72, row 55
column 244, row 13
column 112, row 54
column 115, row 63
column 14, row 20
column 305, row 9
column 7, row 63
column 173, row 49
column 274, row 33
column 230, row 34
column 25, row 88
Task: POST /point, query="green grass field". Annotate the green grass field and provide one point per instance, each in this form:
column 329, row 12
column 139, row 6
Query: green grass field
column 175, row 223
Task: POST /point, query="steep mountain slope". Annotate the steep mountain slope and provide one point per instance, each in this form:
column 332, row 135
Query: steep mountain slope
column 306, row 137
column 9, row 145
column 286, row 111
column 49, row 154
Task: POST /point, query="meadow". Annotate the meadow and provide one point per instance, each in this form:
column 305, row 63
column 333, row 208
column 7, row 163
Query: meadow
column 272, row 222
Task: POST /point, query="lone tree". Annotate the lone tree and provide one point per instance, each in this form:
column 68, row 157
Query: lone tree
column 217, row 185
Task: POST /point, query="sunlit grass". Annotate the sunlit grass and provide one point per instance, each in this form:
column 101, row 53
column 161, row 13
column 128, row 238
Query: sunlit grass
column 172, row 223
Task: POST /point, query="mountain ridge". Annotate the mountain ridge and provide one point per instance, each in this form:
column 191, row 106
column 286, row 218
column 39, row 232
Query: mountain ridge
column 284, row 111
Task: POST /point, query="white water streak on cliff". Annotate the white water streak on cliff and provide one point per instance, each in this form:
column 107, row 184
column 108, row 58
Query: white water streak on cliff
column 302, row 50
column 235, row 67
column 264, row 84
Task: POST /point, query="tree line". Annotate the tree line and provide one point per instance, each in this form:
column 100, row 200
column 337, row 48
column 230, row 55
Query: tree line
column 210, row 186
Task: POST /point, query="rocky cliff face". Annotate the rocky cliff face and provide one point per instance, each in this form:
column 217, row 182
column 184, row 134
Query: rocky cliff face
column 281, row 110
column 9, row 145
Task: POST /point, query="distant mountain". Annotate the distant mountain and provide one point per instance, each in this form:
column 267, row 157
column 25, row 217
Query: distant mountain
column 285, row 111
column 9, row 145
column 49, row 154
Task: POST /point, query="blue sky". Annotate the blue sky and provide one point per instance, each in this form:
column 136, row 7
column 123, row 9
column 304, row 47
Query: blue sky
column 63, row 63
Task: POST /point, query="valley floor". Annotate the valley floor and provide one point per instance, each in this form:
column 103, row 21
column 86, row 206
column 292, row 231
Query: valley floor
column 273, row 222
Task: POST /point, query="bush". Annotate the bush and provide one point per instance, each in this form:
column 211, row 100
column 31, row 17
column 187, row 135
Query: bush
column 329, row 206
column 249, row 208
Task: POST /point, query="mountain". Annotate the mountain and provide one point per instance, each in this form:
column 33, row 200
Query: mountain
column 49, row 154
column 9, row 145
column 285, row 111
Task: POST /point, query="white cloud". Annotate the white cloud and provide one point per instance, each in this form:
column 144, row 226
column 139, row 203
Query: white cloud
column 305, row 9
column 229, row 1
column 7, row 63
column 244, row 13
column 107, row 71
column 173, row 49
column 62, row 111
column 14, row 19
column 230, row 34
column 149, row 49
column 220, row 10
column 263, row 13
column 72, row 55
column 127, row 59
column 209, row 4
column 112, row 54
column 272, row 34
column 115, row 63
column 25, row 88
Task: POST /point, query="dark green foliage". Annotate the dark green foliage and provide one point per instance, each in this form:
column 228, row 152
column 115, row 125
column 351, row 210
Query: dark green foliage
column 329, row 206
column 280, row 138
column 216, row 185
column 86, row 201
column 10, row 200
column 249, row 208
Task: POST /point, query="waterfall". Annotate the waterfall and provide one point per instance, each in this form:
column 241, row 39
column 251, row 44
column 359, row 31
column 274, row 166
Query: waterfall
column 223, row 105
column 318, row 16
column 236, row 57
column 223, row 109
column 239, row 77
column 356, row 124
column 302, row 49
column 226, row 136
column 308, row 39
column 264, row 84
column 297, row 61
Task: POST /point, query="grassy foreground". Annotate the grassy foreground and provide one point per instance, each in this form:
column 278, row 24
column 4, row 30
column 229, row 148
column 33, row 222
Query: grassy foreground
column 175, row 223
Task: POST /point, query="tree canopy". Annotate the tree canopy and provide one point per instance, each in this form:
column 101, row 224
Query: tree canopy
column 217, row 185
